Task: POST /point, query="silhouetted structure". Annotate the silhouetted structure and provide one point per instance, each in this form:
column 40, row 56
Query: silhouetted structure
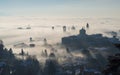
column 52, row 55
column 19, row 28
column 67, row 50
column 87, row 25
column 46, row 54
column 32, row 45
column 31, row 39
column 45, row 41
column 53, row 27
column 64, row 28
column 28, row 27
column 22, row 53
column 73, row 27
column 83, row 40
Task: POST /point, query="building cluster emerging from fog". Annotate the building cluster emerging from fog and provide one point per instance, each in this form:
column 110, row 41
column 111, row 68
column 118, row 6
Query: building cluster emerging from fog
column 83, row 40
column 82, row 54
column 96, row 48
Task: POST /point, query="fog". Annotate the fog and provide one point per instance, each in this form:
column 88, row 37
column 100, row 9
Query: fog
column 42, row 28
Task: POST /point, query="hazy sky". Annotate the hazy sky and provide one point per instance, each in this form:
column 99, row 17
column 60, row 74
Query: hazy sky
column 60, row 8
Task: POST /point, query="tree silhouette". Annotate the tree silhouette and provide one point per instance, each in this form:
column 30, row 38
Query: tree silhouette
column 113, row 66
column 51, row 67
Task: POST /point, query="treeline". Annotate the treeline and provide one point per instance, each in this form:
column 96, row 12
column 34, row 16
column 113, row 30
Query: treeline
column 26, row 65
column 10, row 65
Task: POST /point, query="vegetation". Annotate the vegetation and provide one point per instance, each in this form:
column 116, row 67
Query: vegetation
column 113, row 66
column 10, row 65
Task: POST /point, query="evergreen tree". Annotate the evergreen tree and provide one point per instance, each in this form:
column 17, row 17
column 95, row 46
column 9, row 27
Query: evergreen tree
column 51, row 67
column 113, row 66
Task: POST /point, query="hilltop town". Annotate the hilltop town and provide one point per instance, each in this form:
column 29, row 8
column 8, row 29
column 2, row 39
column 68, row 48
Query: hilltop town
column 82, row 54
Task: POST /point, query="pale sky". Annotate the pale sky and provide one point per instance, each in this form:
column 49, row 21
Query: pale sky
column 60, row 8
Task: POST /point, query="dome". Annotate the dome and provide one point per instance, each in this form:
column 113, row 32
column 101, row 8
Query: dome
column 82, row 31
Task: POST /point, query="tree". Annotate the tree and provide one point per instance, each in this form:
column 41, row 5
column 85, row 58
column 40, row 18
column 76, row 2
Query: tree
column 1, row 45
column 51, row 67
column 10, row 51
column 113, row 66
